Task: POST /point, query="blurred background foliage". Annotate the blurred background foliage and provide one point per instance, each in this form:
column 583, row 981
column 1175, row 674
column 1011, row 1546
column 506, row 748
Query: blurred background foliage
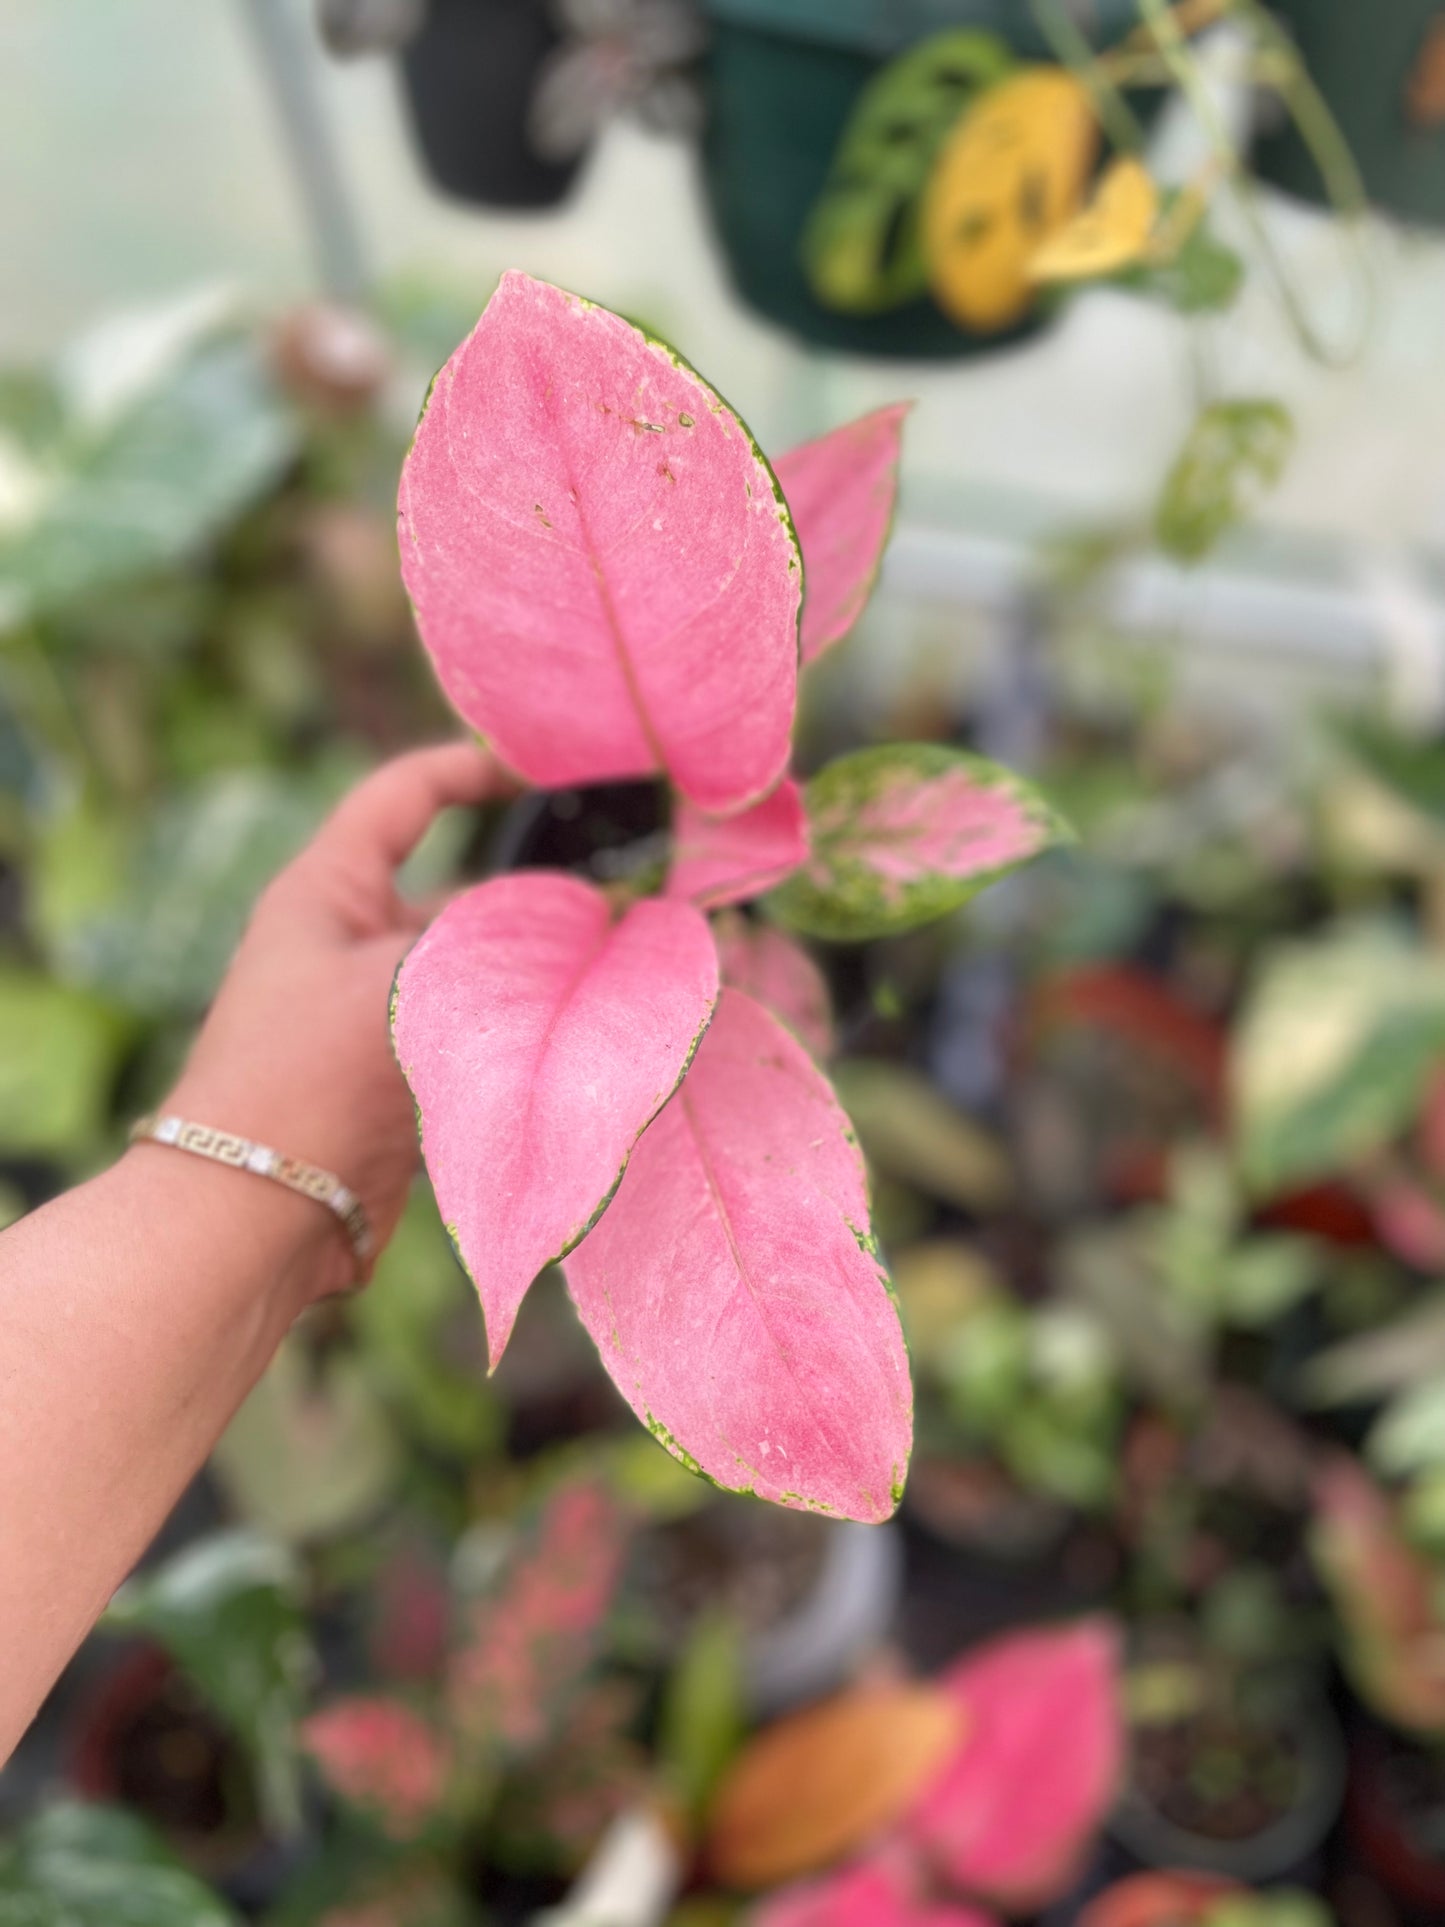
column 1156, row 1130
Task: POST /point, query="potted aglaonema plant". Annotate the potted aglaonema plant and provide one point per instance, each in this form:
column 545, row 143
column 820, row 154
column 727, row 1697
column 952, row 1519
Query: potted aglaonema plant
column 1386, row 1597
column 609, row 579
column 491, row 1771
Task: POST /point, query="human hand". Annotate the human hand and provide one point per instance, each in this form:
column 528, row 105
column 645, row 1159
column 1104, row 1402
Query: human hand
column 296, row 1050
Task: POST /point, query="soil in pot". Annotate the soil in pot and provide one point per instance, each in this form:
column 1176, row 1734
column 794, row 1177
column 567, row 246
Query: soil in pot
column 1230, row 1781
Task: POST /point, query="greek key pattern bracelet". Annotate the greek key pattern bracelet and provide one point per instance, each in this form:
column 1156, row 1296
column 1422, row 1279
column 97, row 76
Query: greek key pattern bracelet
column 224, row 1147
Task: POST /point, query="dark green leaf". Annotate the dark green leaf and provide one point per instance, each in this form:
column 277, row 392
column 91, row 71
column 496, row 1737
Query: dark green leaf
column 84, row 1866
column 861, row 249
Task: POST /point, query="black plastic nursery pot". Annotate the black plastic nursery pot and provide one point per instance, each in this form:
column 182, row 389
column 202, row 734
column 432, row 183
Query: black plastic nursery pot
column 469, row 75
column 1258, row 1832
column 1380, row 65
column 783, row 77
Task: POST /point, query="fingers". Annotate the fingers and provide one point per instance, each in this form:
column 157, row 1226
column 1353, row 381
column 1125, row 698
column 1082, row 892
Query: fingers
column 381, row 822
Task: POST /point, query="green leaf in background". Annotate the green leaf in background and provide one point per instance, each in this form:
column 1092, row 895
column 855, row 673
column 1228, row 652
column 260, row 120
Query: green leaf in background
column 203, row 858
column 1290, row 1907
column 1234, row 454
column 703, row 1716
column 228, row 1611
column 904, row 833
column 421, row 1330
column 92, row 1866
column 1204, row 277
column 912, row 1133
column 860, row 247
column 116, row 494
column 1409, row 1436
column 1330, row 1060
column 312, row 1452
column 58, row 1054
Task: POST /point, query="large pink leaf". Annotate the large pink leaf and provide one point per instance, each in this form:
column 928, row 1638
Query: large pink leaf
column 1014, row 1812
column 527, row 1644
column 726, row 859
column 877, row 1892
column 734, row 1289
column 380, row 1755
column 906, row 832
column 841, row 490
column 600, row 560
column 779, row 974
column 538, row 1038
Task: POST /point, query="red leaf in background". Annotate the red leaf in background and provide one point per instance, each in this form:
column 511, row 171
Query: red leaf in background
column 777, row 973
column 538, row 1038
column 841, row 489
column 1142, row 1011
column 601, row 567
column 528, row 1643
column 733, row 1288
column 1014, row 1812
column 381, row 1755
column 719, row 860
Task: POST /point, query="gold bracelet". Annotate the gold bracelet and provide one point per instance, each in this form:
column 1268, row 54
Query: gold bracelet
column 224, row 1147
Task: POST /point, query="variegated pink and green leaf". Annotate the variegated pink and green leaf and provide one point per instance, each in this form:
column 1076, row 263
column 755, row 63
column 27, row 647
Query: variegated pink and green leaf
column 601, row 562
column 734, row 1288
column 776, row 972
column 905, row 833
column 528, row 1642
column 1013, row 1814
column 841, row 490
column 718, row 860
column 539, row 1037
column 384, row 1758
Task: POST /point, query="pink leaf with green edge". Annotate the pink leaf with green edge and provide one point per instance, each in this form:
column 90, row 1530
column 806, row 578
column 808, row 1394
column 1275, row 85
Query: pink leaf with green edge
column 381, row 1756
column 538, row 1038
column 529, row 1642
column 905, row 833
column 726, row 859
column 779, row 974
column 734, row 1288
column 600, row 560
column 841, row 490
column 1013, row 1814
column 878, row 1892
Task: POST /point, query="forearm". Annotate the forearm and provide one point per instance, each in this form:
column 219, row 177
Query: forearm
column 136, row 1313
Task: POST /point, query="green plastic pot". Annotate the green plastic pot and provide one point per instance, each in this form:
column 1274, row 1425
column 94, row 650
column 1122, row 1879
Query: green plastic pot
column 783, row 78
column 1364, row 56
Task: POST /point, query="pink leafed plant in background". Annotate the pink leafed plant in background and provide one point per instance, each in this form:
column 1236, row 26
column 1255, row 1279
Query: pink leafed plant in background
column 612, row 581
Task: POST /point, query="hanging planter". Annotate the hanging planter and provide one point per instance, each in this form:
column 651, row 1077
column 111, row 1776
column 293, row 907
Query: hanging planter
column 1381, row 72
column 826, row 120
column 506, row 97
column 469, row 76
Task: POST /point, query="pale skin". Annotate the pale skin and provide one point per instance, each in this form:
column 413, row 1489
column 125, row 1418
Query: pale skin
column 138, row 1310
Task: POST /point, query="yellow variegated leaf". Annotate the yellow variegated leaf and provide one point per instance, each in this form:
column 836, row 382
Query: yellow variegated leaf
column 1112, row 232
column 1012, row 173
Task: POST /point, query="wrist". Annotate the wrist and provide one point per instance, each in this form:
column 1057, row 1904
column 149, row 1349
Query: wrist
column 269, row 1248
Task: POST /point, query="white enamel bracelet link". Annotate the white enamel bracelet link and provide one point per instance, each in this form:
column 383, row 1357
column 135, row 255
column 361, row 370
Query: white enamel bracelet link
column 225, row 1147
